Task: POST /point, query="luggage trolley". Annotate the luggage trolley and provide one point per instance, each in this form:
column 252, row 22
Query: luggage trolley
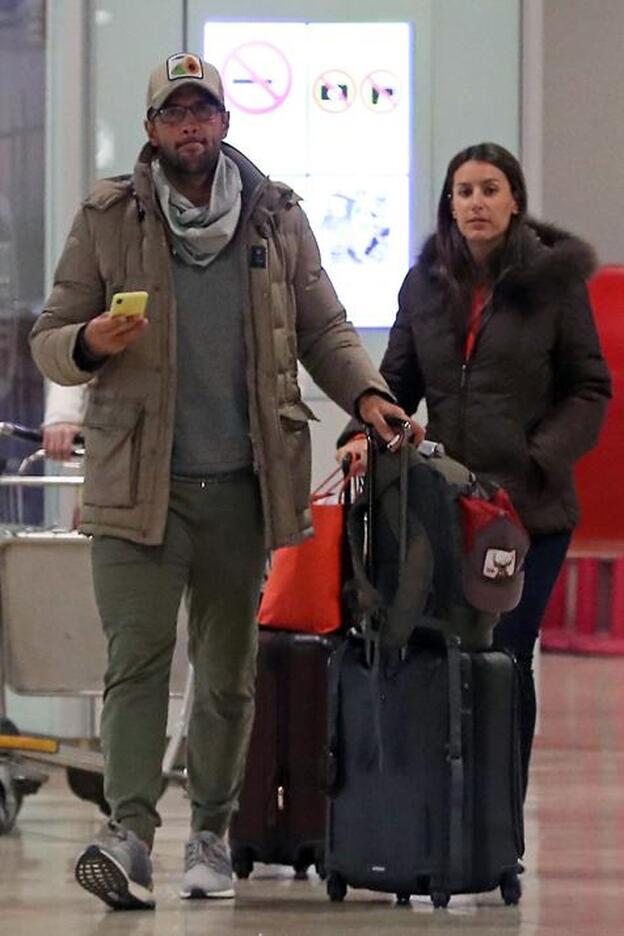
column 51, row 642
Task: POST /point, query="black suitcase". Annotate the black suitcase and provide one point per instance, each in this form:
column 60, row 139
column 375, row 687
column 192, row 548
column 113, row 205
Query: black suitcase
column 282, row 812
column 424, row 773
column 423, row 766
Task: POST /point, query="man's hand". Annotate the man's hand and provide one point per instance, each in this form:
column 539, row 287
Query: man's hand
column 110, row 334
column 58, row 440
column 373, row 409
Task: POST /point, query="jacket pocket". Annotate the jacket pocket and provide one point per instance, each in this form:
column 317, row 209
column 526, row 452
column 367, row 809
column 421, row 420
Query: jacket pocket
column 112, row 442
column 296, row 415
column 294, row 422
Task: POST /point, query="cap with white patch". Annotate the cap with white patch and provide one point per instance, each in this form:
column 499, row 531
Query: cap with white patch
column 183, row 68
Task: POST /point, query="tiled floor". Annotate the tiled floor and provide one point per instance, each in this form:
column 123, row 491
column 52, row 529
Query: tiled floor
column 575, row 851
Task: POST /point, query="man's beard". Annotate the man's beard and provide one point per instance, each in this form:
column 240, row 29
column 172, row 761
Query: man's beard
column 174, row 163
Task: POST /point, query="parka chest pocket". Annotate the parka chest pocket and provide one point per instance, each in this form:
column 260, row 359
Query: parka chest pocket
column 112, row 441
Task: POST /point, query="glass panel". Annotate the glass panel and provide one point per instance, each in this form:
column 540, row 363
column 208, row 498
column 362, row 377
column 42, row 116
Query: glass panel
column 22, row 102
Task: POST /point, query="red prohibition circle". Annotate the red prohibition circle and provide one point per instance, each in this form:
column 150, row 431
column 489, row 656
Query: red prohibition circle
column 242, row 58
column 331, row 91
column 375, row 83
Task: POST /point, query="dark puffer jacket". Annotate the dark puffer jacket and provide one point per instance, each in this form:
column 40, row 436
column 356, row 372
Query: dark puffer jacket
column 533, row 397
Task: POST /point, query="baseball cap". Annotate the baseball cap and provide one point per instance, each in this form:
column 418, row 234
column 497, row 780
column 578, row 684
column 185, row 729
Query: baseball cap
column 495, row 547
column 183, row 68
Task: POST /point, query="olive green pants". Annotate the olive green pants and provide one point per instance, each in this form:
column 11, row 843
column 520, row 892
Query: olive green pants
column 213, row 547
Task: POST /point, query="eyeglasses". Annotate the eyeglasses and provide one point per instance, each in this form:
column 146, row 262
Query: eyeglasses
column 203, row 111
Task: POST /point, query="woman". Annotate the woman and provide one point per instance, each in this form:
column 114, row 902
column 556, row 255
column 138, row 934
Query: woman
column 495, row 332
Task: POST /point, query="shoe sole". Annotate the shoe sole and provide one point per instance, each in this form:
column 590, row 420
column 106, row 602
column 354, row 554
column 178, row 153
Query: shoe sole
column 99, row 873
column 197, row 893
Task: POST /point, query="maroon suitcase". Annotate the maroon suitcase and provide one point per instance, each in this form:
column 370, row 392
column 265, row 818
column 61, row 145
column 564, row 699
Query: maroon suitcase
column 281, row 816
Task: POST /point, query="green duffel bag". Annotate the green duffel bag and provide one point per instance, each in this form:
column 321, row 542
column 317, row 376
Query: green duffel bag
column 432, row 548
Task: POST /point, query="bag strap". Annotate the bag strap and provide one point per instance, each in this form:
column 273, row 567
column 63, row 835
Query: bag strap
column 416, row 563
column 403, row 455
column 456, row 764
column 395, row 621
column 331, row 485
column 376, row 699
column 369, row 598
column 333, row 712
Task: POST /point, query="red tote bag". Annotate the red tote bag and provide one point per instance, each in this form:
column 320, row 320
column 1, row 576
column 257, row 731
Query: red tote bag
column 303, row 588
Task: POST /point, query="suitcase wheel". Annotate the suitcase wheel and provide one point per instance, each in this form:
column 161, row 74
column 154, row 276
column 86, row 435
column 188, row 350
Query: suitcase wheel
column 301, row 864
column 336, row 888
column 242, row 863
column 510, row 888
column 440, row 899
column 403, row 899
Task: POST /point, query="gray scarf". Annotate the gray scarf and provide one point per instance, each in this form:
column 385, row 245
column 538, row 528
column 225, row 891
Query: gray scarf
column 201, row 232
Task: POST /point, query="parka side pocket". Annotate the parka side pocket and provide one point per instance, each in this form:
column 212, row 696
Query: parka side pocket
column 294, row 422
column 112, row 442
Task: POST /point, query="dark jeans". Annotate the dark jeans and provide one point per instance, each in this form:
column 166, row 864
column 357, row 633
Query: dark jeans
column 518, row 630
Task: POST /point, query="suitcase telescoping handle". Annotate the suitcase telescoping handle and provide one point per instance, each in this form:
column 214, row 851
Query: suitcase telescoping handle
column 403, row 432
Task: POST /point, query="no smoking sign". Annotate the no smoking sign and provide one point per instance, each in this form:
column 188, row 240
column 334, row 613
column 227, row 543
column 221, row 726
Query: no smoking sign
column 257, row 77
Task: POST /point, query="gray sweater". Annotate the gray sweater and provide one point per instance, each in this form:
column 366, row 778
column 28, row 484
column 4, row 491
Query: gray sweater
column 211, row 422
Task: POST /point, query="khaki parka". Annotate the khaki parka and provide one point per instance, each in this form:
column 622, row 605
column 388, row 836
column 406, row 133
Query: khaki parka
column 119, row 242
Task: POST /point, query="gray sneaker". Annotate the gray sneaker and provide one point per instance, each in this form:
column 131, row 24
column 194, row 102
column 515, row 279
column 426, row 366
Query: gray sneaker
column 117, row 868
column 207, row 868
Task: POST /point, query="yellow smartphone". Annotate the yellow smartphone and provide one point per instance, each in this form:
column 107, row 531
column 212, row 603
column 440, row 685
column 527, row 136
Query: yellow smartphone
column 128, row 303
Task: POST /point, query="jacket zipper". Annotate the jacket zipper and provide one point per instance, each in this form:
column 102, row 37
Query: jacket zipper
column 271, row 239
column 464, row 377
column 259, row 459
column 463, row 395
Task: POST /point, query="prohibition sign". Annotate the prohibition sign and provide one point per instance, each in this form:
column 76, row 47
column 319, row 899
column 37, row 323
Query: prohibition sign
column 380, row 91
column 334, row 91
column 257, row 77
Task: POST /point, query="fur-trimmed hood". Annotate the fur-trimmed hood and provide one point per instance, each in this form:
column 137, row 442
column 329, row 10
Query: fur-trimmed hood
column 547, row 259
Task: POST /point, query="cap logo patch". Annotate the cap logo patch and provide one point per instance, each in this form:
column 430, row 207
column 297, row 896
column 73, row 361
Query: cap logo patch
column 184, row 65
column 499, row 563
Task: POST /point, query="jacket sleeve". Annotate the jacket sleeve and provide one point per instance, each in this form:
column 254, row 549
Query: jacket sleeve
column 78, row 295
column 400, row 365
column 65, row 404
column 582, row 388
column 328, row 345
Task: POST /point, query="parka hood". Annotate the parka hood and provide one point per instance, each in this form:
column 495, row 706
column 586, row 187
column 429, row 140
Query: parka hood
column 547, row 258
column 550, row 258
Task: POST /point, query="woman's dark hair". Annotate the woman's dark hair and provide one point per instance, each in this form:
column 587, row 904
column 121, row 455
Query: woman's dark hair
column 452, row 248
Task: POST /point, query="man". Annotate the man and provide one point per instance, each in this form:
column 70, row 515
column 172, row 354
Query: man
column 197, row 449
